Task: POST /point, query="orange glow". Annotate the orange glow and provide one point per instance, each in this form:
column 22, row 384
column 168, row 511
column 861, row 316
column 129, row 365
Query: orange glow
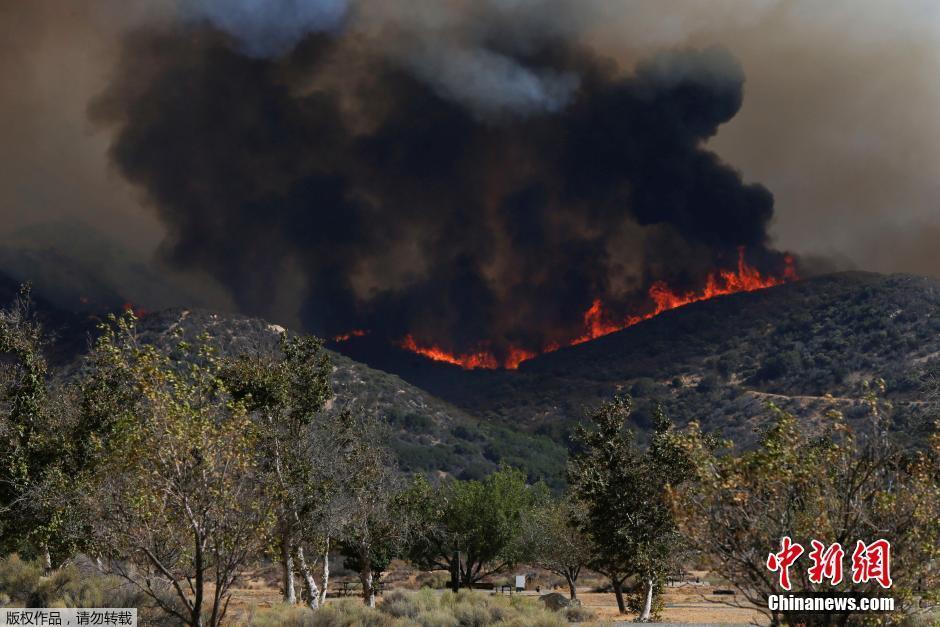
column 470, row 361
column 599, row 322
column 517, row 356
column 342, row 337
column 139, row 312
column 721, row 283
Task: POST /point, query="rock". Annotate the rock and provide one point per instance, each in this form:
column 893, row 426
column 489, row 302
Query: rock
column 556, row 601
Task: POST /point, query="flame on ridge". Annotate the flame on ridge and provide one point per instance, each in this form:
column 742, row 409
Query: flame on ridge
column 599, row 322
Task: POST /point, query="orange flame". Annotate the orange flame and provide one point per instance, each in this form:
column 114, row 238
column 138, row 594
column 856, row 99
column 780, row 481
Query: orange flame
column 599, row 322
column 343, row 337
column 470, row 361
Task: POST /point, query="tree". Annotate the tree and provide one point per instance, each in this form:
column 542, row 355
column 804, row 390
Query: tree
column 285, row 394
column 624, row 491
column 473, row 529
column 41, row 447
column 179, row 506
column 376, row 519
column 555, row 542
column 834, row 483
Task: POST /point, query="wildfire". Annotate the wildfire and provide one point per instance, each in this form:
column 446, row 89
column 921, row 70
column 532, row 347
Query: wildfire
column 470, row 361
column 599, row 322
column 746, row 278
column 138, row 312
column 343, row 337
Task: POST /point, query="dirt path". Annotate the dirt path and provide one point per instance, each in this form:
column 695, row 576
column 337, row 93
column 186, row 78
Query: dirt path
column 814, row 399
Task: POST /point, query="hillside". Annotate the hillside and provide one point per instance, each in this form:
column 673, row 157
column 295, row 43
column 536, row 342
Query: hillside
column 721, row 361
column 427, row 434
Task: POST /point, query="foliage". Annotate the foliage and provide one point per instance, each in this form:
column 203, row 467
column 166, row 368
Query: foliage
column 475, row 527
column 41, row 443
column 579, row 614
column 378, row 514
column 18, row 579
column 555, row 541
column 178, row 505
column 628, row 519
column 284, row 394
column 838, row 484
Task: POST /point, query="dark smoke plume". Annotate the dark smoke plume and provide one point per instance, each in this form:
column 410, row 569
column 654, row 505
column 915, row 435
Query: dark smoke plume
column 404, row 201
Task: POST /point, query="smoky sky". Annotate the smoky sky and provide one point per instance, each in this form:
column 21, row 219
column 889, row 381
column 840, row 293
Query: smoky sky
column 462, row 170
column 327, row 161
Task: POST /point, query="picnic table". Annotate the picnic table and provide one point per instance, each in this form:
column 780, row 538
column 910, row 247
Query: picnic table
column 354, row 587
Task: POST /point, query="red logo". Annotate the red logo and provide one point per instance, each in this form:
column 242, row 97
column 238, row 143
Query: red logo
column 827, row 562
column 870, row 562
column 781, row 561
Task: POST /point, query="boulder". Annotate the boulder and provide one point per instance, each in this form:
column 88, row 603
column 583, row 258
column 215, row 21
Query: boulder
column 556, row 601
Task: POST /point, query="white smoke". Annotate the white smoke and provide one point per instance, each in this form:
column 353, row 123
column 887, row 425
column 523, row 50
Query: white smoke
column 265, row 27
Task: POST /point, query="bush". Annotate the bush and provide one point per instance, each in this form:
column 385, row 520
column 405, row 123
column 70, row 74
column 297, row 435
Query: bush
column 281, row 614
column 400, row 608
column 437, row 618
column 401, row 604
column 22, row 583
column 435, row 579
column 579, row 614
column 472, row 615
column 349, row 613
column 18, row 579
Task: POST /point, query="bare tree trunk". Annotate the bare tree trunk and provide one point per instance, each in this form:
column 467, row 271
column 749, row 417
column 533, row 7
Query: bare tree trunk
column 573, row 591
column 310, row 584
column 618, row 592
column 326, row 572
column 455, row 572
column 648, row 604
column 199, row 586
column 287, row 571
column 46, row 559
column 368, row 592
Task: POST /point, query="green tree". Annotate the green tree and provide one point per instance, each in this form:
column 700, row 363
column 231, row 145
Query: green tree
column 179, row 508
column 554, row 540
column 41, row 445
column 285, row 394
column 832, row 483
column 624, row 492
column 474, row 529
column 374, row 509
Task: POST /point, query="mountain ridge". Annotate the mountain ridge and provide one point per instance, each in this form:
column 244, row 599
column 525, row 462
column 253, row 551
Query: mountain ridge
column 805, row 346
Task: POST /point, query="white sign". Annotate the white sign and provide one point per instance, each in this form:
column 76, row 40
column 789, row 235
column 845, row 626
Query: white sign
column 520, row 582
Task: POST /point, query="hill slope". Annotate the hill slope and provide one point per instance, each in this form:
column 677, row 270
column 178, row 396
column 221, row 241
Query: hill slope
column 428, row 434
column 721, row 361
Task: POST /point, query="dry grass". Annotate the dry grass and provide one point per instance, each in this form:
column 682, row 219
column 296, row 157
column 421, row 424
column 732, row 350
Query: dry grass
column 688, row 604
column 425, row 608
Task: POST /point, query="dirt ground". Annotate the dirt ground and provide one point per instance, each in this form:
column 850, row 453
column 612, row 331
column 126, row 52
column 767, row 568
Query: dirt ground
column 682, row 606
